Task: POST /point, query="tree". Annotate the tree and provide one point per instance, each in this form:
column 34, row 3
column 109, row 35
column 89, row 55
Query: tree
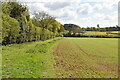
column 19, row 12
column 41, row 27
column 44, row 19
column 10, row 29
column 14, row 9
column 61, row 29
column 6, row 8
column 98, row 26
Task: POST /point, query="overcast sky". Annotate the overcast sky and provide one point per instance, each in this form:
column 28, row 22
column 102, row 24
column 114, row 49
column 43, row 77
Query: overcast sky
column 81, row 12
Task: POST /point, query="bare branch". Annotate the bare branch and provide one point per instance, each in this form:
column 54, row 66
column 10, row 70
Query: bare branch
column 44, row 18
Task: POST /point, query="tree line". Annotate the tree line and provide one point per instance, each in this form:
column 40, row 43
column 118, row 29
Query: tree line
column 73, row 30
column 18, row 27
column 76, row 28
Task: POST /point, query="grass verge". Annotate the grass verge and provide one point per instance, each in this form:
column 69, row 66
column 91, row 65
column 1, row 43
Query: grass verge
column 29, row 60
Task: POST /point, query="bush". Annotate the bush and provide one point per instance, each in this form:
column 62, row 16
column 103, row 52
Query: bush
column 10, row 29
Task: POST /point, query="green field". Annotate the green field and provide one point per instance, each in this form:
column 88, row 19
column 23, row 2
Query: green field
column 87, row 57
column 62, row 57
column 28, row 60
column 97, row 33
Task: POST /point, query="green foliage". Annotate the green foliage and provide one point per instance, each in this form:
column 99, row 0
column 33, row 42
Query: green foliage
column 98, row 25
column 13, row 9
column 19, row 28
column 31, row 31
column 28, row 17
column 6, row 8
column 61, row 29
column 17, row 9
column 19, row 12
column 36, row 22
column 72, row 28
column 10, row 29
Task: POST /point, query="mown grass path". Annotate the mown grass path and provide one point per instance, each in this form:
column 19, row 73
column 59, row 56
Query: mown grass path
column 86, row 58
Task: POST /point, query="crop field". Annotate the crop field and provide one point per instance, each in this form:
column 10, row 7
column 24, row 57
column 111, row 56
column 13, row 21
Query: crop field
column 94, row 33
column 62, row 58
column 87, row 58
column 97, row 33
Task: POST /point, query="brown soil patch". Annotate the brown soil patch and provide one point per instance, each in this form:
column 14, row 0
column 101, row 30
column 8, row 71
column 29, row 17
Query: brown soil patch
column 71, row 65
column 107, row 67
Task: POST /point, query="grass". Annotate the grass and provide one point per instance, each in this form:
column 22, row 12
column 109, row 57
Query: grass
column 94, row 33
column 62, row 58
column 28, row 60
column 97, row 33
column 115, row 31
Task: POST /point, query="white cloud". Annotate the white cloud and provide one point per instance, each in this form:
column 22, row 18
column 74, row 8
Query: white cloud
column 104, row 6
column 85, row 9
column 36, row 7
column 49, row 0
column 57, row 5
column 107, row 17
column 101, row 1
column 84, row 13
column 98, row 7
